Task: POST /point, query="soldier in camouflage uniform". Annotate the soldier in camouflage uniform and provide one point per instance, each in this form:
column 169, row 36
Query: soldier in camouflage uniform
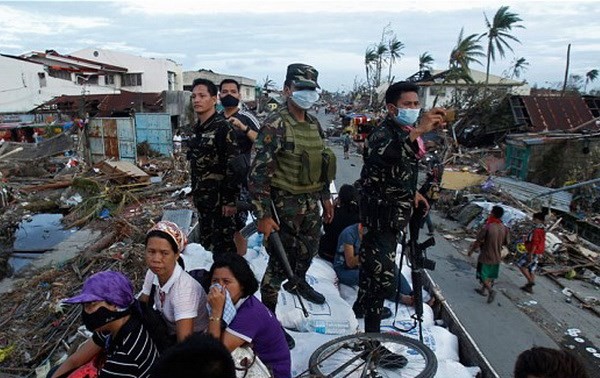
column 292, row 170
column 214, row 188
column 388, row 183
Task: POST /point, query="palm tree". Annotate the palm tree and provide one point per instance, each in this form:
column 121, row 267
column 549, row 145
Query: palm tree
column 381, row 50
column 466, row 51
column 498, row 35
column 590, row 76
column 425, row 61
column 370, row 59
column 518, row 67
column 395, row 48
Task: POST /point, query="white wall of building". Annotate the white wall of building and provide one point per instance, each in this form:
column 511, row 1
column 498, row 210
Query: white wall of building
column 25, row 85
column 157, row 74
column 247, row 86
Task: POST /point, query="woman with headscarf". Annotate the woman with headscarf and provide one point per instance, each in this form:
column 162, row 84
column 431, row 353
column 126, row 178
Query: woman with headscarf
column 176, row 295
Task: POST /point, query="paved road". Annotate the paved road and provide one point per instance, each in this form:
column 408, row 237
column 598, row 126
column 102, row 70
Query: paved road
column 516, row 321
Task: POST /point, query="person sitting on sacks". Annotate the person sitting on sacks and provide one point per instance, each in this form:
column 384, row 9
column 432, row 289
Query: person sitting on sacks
column 120, row 345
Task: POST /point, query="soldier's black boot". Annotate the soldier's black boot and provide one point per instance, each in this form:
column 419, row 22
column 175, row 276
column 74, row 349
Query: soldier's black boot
column 306, row 291
column 387, row 359
column 382, row 356
column 289, row 339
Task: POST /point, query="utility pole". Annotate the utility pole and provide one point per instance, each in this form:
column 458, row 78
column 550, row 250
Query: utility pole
column 87, row 153
column 564, row 89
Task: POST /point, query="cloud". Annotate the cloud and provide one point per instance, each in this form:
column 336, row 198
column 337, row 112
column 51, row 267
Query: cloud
column 156, row 7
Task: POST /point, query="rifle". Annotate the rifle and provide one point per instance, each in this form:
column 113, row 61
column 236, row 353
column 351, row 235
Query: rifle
column 418, row 261
column 278, row 248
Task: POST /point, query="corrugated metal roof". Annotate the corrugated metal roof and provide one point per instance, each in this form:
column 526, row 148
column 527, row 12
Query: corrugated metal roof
column 556, row 113
column 106, row 104
column 525, row 191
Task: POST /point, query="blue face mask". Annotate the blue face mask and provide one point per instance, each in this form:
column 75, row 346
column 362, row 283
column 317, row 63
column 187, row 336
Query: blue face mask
column 407, row 117
column 305, row 98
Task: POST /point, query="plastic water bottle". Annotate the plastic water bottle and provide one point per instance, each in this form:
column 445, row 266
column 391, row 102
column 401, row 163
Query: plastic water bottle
column 322, row 326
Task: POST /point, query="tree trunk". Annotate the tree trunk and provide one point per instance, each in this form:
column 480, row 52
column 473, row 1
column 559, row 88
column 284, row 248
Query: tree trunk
column 487, row 69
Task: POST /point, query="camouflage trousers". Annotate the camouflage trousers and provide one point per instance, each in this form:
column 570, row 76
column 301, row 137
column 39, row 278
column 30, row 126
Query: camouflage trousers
column 377, row 275
column 215, row 231
column 299, row 215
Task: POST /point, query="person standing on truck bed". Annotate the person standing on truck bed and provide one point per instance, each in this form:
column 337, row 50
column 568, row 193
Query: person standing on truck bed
column 246, row 129
column 211, row 153
column 289, row 178
column 388, row 185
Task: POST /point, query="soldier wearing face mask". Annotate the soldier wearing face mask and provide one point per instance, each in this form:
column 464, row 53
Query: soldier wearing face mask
column 388, row 183
column 289, row 180
column 246, row 129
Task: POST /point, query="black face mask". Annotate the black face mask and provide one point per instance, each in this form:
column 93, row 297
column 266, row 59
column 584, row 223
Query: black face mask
column 101, row 317
column 229, row 101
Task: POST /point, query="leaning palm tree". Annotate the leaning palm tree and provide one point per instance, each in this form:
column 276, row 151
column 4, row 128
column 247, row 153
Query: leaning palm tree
column 370, row 60
column 498, row 35
column 466, row 51
column 395, row 48
column 518, row 67
column 590, row 76
column 381, row 50
column 425, row 61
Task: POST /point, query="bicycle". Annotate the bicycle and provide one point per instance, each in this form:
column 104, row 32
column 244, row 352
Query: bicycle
column 359, row 356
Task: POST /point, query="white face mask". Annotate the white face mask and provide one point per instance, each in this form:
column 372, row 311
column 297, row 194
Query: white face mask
column 407, row 117
column 305, row 98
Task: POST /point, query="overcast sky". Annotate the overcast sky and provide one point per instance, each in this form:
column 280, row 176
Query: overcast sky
column 256, row 38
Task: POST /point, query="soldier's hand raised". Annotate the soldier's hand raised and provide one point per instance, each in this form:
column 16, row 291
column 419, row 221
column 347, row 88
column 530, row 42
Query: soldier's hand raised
column 266, row 226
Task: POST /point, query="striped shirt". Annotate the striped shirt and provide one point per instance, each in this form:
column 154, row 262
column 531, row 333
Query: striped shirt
column 131, row 353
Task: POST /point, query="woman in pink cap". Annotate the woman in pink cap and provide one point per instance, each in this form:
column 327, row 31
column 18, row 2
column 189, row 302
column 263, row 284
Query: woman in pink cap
column 174, row 293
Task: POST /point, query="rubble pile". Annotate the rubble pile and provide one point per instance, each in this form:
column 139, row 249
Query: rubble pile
column 34, row 325
column 568, row 255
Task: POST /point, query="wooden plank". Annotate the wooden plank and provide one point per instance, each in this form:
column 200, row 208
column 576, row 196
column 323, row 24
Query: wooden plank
column 125, row 168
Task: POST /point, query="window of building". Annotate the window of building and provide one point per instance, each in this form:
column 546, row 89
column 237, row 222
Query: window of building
column 42, row 79
column 59, row 74
column 172, row 79
column 109, row 79
column 93, row 79
column 437, row 91
column 247, row 93
column 132, row 80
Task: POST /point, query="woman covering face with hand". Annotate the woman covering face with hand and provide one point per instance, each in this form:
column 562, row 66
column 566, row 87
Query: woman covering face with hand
column 247, row 320
column 176, row 295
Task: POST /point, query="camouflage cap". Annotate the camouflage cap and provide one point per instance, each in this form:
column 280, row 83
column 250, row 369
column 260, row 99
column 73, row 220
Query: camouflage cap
column 302, row 75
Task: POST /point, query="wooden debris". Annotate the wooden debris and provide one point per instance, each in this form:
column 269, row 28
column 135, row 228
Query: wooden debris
column 123, row 171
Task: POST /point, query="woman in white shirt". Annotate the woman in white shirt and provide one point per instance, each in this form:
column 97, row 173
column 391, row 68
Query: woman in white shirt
column 177, row 296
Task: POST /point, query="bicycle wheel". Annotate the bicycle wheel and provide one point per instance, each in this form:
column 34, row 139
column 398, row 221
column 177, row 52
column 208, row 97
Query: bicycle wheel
column 357, row 356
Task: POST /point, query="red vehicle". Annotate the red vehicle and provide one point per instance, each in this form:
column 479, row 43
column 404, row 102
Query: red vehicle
column 359, row 124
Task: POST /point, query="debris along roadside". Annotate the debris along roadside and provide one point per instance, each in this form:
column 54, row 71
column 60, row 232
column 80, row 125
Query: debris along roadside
column 469, row 191
column 119, row 198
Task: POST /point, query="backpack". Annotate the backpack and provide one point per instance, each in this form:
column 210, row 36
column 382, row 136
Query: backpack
column 155, row 323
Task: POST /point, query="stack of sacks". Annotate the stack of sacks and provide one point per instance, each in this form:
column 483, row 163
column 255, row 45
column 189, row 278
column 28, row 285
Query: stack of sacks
column 335, row 312
column 335, row 316
column 306, row 344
